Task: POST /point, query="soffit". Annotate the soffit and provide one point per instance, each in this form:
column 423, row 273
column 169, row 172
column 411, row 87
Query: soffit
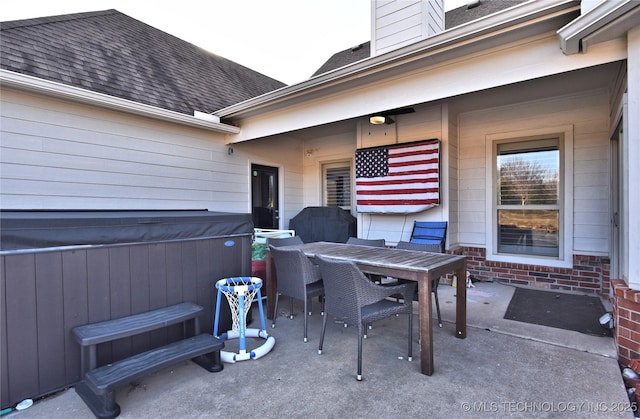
column 573, row 82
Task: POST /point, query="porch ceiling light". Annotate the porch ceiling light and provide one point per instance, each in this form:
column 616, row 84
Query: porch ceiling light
column 380, row 119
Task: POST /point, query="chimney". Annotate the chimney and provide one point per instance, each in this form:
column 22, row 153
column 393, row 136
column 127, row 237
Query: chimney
column 397, row 23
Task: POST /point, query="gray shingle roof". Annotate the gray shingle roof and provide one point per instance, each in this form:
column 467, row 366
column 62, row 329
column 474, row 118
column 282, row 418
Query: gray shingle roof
column 348, row 56
column 475, row 9
column 112, row 53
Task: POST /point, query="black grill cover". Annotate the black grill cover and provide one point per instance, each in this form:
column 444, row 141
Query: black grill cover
column 330, row 224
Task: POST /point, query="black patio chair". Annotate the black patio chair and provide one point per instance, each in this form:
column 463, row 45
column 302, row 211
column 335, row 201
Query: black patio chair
column 284, row 241
column 353, row 299
column 369, row 242
column 366, row 242
column 423, row 247
column 297, row 278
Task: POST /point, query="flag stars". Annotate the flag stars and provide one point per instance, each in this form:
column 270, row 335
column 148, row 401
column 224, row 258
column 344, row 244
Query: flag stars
column 372, row 163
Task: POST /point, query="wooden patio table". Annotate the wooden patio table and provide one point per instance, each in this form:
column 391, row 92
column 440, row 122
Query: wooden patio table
column 417, row 266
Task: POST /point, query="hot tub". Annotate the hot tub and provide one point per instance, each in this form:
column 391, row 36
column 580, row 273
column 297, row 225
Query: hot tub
column 61, row 269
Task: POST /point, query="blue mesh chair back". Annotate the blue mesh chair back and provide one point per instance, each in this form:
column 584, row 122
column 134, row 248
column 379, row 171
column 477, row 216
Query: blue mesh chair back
column 430, row 232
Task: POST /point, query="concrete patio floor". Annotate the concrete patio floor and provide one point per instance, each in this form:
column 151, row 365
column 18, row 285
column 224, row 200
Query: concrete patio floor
column 502, row 369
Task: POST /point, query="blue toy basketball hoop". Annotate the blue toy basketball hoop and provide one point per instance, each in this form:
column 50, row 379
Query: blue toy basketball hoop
column 240, row 292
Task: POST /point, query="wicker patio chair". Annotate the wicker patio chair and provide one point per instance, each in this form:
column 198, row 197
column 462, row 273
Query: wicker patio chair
column 369, row 242
column 297, row 278
column 284, row 241
column 423, row 247
column 352, row 298
column 366, row 242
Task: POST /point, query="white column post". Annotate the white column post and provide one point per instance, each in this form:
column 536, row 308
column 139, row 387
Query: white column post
column 633, row 158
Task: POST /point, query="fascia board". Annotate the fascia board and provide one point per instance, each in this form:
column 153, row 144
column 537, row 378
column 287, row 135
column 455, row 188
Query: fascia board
column 604, row 13
column 55, row 89
column 504, row 65
column 528, row 13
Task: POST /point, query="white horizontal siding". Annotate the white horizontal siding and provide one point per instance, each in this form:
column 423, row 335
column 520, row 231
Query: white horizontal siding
column 61, row 141
column 402, row 22
column 592, row 176
column 393, row 37
column 392, row 228
column 145, row 167
column 58, row 154
column 93, row 126
column 588, row 114
column 326, row 148
column 394, row 13
column 292, row 201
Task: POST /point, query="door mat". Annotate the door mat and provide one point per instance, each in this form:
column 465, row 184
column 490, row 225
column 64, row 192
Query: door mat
column 580, row 313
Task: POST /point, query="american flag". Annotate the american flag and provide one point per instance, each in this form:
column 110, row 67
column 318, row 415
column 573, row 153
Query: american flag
column 398, row 179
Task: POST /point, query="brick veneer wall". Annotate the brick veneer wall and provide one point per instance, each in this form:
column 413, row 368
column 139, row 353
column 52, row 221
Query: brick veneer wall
column 626, row 314
column 588, row 274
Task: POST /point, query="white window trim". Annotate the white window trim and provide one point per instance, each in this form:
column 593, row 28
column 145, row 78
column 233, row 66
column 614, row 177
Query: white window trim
column 565, row 258
column 339, row 162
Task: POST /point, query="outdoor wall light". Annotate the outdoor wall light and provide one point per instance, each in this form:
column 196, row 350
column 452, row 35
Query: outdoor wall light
column 380, row 119
column 606, row 320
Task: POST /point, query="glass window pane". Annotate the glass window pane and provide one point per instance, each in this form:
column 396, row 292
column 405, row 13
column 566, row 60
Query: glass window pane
column 338, row 186
column 531, row 232
column 528, row 177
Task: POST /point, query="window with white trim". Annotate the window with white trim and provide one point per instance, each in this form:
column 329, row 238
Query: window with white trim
column 528, row 210
column 337, row 184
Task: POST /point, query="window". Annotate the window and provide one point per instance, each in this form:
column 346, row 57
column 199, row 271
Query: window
column 337, row 184
column 528, row 187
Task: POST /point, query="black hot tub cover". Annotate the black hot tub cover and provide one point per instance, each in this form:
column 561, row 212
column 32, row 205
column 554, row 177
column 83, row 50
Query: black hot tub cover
column 43, row 229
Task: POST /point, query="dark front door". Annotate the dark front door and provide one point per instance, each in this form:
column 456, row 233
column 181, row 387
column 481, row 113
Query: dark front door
column 264, row 196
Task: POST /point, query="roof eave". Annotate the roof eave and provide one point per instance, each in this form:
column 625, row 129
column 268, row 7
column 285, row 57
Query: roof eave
column 55, row 89
column 449, row 39
column 606, row 12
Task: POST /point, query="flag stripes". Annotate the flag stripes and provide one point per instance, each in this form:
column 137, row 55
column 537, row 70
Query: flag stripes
column 398, row 179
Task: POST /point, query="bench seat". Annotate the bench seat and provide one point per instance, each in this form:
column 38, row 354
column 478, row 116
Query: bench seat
column 109, row 376
column 106, row 331
column 98, row 386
